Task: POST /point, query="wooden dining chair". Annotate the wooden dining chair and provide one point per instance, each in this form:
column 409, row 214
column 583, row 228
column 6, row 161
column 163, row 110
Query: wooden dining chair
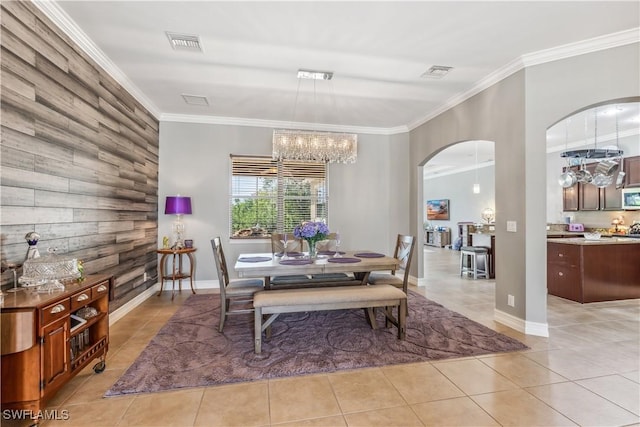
column 329, row 245
column 293, row 244
column 277, row 247
column 403, row 253
column 236, row 295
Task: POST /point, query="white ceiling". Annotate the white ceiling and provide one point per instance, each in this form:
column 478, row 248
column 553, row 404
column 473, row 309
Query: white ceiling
column 377, row 51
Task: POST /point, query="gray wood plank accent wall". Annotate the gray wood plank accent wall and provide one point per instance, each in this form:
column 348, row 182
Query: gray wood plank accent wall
column 79, row 157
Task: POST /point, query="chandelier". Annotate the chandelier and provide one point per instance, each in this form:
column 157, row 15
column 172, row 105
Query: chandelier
column 310, row 146
column 314, row 146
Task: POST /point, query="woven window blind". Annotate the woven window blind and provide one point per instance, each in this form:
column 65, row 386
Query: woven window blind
column 271, row 196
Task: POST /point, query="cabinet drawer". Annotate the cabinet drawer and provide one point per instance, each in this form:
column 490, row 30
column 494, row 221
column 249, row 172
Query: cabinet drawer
column 563, row 254
column 564, row 282
column 55, row 311
column 81, row 299
column 100, row 289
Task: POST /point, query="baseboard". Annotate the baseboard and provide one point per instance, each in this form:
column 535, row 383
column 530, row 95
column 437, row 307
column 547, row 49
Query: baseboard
column 521, row 325
column 538, row 329
column 120, row 312
column 418, row 281
column 207, row 284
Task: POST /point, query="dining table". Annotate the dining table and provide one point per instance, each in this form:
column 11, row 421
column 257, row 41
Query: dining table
column 359, row 263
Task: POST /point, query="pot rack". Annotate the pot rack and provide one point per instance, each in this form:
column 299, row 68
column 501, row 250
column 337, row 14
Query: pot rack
column 592, row 153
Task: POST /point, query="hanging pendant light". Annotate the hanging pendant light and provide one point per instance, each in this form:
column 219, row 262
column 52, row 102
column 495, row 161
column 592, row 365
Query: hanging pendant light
column 476, row 186
column 314, row 146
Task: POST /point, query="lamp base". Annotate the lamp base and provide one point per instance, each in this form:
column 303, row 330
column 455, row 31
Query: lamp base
column 179, row 244
column 178, row 231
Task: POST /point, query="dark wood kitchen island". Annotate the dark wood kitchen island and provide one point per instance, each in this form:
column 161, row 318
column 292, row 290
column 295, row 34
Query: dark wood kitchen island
column 593, row 270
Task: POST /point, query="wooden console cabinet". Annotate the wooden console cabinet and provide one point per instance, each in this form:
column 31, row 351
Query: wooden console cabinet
column 437, row 238
column 43, row 348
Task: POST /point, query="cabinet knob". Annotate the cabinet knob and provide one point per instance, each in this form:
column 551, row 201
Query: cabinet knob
column 82, row 297
column 560, row 255
column 560, row 274
column 102, row 288
column 57, row 309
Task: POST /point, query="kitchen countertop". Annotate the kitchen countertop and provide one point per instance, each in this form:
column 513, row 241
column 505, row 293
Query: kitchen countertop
column 603, row 241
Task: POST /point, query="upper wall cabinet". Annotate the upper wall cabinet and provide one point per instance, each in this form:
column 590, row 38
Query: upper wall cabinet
column 632, row 171
column 587, row 197
column 589, row 194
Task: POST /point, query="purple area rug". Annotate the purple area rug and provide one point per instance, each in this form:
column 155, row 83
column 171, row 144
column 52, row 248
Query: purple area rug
column 190, row 352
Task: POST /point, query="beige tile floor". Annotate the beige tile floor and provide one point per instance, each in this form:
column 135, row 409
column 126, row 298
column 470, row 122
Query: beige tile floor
column 586, row 373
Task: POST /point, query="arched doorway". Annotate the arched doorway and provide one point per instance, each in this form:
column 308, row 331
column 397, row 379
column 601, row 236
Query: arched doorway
column 462, row 174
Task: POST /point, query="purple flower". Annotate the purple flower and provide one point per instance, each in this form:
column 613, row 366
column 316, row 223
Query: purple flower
column 311, row 230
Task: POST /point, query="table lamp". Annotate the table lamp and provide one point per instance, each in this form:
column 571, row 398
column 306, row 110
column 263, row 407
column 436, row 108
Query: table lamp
column 488, row 215
column 178, row 205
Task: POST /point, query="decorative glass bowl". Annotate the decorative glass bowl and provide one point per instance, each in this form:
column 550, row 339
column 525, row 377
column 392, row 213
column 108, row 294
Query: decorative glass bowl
column 592, row 236
column 46, row 272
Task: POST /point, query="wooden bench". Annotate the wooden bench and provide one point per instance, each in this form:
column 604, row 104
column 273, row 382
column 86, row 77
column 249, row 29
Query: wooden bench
column 275, row 302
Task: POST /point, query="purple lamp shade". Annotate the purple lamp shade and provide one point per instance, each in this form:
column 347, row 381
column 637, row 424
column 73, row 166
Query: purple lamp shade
column 178, row 205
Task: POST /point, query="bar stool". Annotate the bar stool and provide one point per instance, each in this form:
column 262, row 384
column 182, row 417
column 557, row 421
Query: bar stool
column 469, row 261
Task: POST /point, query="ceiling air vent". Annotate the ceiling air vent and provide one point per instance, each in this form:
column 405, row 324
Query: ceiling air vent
column 184, row 42
column 195, row 100
column 437, row 72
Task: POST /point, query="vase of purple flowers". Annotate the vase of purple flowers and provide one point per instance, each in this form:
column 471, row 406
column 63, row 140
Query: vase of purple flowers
column 312, row 232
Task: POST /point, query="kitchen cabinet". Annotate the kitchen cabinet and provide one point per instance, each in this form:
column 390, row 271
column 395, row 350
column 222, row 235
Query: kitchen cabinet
column 588, row 271
column 437, row 238
column 632, row 171
column 48, row 338
column 611, row 198
column 570, row 198
column 589, row 199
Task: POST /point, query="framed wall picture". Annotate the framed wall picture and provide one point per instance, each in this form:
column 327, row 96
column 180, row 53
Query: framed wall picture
column 438, row 209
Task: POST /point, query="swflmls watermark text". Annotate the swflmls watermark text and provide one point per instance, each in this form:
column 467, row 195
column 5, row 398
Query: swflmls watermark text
column 28, row 414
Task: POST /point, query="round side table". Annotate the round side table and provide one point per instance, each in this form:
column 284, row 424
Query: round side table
column 176, row 272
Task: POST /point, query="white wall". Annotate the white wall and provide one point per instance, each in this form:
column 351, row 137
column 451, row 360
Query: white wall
column 464, row 205
column 367, row 200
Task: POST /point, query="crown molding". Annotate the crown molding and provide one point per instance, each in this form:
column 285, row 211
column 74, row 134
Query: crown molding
column 237, row 121
column 60, row 18
column 595, row 44
column 486, row 82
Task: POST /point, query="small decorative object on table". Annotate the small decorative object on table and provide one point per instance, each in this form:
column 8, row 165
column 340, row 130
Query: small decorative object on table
column 80, row 270
column 165, row 242
column 592, row 236
column 312, row 232
column 46, row 273
column 188, row 243
column 32, row 240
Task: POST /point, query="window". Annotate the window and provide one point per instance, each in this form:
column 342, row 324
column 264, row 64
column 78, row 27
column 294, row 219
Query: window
column 274, row 196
